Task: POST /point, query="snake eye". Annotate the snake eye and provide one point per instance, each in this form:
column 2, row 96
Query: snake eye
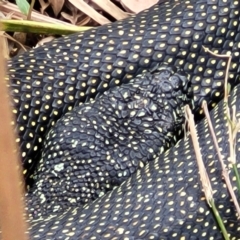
column 162, row 75
column 175, row 81
column 166, row 86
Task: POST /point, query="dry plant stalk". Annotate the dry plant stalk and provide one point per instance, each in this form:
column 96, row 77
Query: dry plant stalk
column 84, row 7
column 229, row 58
column 8, row 8
column 232, row 132
column 206, row 184
column 224, row 169
column 12, row 221
column 112, row 9
column 207, row 189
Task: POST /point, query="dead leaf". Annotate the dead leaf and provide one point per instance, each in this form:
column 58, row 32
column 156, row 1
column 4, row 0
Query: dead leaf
column 84, row 21
column 20, row 37
column 71, row 18
column 10, row 7
column 75, row 14
column 84, row 7
column 44, row 6
column 111, row 9
column 57, row 6
column 14, row 46
column 3, row 2
column 5, row 50
column 136, row 6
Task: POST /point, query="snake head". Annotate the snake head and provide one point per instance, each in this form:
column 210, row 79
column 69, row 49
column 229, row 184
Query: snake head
column 171, row 80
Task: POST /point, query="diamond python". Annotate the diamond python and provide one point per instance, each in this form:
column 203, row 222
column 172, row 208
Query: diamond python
column 48, row 81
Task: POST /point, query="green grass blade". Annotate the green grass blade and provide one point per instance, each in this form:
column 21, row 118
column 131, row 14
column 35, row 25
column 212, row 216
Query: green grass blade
column 37, row 27
column 235, row 169
column 23, row 6
column 219, row 220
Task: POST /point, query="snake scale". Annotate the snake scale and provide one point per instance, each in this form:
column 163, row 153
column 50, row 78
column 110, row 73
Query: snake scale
column 99, row 144
column 163, row 200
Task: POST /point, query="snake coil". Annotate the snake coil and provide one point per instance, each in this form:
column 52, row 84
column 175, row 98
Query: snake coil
column 163, row 200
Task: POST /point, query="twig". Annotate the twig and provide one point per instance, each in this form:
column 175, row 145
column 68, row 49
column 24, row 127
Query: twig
column 233, row 128
column 202, row 171
column 30, row 10
column 207, row 189
column 224, row 169
column 229, row 58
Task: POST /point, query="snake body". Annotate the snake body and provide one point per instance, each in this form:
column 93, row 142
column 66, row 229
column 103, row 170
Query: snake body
column 48, row 81
column 98, row 145
column 163, row 200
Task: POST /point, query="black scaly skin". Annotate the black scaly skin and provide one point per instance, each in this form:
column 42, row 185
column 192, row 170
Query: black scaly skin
column 155, row 203
column 98, row 145
column 48, row 81
column 163, row 200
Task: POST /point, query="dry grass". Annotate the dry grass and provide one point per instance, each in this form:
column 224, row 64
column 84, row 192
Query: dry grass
column 12, row 223
column 68, row 13
column 206, row 183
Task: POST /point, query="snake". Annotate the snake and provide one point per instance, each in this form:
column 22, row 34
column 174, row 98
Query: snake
column 99, row 144
column 162, row 200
